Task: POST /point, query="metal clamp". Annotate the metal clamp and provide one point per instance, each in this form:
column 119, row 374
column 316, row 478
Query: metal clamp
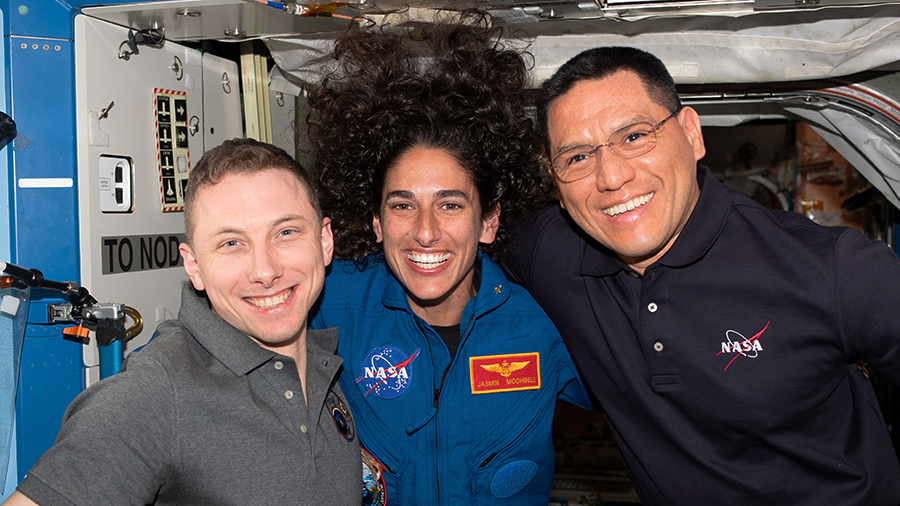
column 193, row 125
column 178, row 68
column 124, row 54
column 226, row 82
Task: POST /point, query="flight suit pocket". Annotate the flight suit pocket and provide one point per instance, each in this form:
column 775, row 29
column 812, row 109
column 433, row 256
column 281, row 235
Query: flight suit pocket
column 515, row 457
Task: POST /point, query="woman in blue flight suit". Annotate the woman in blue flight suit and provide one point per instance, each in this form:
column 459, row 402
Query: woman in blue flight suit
column 425, row 159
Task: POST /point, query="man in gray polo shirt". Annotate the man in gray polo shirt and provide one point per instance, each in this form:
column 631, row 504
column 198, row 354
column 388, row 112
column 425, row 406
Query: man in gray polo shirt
column 235, row 402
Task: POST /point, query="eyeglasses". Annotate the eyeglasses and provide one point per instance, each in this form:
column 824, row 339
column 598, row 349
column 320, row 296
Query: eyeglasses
column 581, row 161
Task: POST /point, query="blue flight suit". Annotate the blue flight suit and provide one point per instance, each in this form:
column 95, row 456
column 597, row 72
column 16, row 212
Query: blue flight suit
column 474, row 429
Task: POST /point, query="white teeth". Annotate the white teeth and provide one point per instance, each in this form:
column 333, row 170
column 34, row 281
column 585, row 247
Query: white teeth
column 270, row 301
column 628, row 206
column 428, row 260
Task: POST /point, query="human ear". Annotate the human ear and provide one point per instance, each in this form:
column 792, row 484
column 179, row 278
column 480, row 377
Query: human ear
column 690, row 122
column 376, row 225
column 327, row 240
column 190, row 266
column 489, row 226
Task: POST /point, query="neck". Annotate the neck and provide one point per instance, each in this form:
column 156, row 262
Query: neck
column 445, row 313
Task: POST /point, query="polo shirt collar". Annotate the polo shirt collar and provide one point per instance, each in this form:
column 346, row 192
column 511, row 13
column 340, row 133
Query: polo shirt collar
column 234, row 349
column 696, row 238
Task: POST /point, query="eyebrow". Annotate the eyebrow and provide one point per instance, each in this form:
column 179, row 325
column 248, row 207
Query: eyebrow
column 291, row 217
column 399, row 194
column 284, row 219
column 444, row 194
column 441, row 194
column 634, row 120
column 569, row 147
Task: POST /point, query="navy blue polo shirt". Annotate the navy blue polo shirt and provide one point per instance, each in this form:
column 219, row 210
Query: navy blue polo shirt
column 727, row 370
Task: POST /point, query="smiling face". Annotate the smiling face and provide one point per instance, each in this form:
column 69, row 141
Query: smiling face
column 430, row 224
column 260, row 253
column 635, row 207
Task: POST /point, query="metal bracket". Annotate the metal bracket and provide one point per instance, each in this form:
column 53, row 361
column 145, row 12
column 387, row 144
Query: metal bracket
column 103, row 311
column 59, row 313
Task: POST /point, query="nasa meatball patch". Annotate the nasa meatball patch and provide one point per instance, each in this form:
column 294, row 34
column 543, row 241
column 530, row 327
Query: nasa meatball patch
column 384, row 373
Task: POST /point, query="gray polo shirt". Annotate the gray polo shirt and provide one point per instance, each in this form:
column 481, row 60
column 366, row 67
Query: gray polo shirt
column 203, row 415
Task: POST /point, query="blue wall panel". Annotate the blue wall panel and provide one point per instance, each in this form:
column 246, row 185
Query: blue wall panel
column 43, row 96
column 40, row 18
column 44, row 224
column 49, row 378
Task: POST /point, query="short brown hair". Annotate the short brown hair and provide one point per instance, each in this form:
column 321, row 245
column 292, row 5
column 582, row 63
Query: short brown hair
column 240, row 156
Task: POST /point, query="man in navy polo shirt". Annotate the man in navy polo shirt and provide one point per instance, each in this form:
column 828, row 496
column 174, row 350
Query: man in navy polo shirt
column 720, row 338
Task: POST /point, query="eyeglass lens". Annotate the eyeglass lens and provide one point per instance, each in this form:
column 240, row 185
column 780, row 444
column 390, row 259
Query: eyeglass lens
column 631, row 142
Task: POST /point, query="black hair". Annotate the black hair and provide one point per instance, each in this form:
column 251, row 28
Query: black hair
column 452, row 86
column 601, row 62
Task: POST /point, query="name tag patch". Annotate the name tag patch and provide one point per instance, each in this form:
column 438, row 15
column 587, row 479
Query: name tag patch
column 505, row 373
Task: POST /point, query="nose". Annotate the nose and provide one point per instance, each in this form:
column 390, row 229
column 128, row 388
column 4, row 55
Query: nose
column 612, row 172
column 266, row 266
column 426, row 230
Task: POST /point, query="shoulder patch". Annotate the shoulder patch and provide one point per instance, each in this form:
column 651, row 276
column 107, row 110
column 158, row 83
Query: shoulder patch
column 505, row 373
column 343, row 420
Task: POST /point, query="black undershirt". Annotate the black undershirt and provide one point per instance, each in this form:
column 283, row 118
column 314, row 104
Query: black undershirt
column 450, row 335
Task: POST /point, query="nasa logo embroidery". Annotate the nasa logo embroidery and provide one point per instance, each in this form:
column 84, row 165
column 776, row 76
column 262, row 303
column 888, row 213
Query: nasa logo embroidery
column 341, row 415
column 374, row 493
column 384, row 373
column 735, row 343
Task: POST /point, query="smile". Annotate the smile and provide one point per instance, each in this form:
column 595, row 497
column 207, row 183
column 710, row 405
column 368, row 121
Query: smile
column 628, row 206
column 270, row 302
column 427, row 260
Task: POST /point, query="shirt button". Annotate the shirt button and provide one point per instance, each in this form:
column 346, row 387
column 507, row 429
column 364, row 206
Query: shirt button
column 633, row 274
column 652, row 307
column 278, row 366
column 303, row 429
column 658, row 346
column 288, row 394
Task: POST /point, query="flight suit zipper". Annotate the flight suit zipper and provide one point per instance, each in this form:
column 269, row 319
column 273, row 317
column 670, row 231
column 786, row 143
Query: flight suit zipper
column 437, row 391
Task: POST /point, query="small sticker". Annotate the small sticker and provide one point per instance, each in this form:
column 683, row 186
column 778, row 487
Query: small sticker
column 342, row 418
column 505, row 373
column 374, row 493
column 384, row 373
column 9, row 305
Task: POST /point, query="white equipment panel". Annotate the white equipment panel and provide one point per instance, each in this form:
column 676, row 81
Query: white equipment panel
column 129, row 235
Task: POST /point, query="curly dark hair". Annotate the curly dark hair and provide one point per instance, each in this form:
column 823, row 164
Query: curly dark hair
column 452, row 86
